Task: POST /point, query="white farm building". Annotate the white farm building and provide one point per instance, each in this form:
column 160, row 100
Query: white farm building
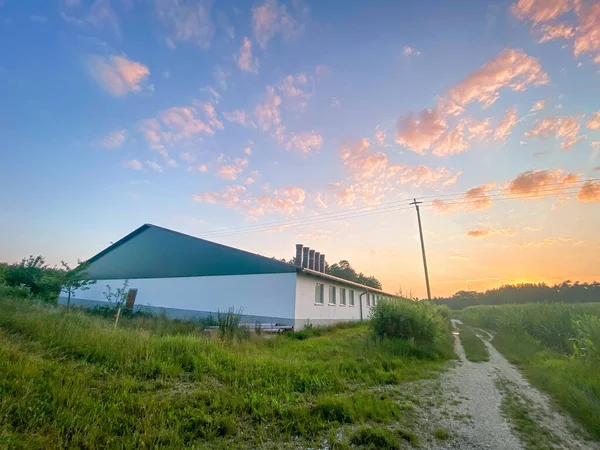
column 185, row 277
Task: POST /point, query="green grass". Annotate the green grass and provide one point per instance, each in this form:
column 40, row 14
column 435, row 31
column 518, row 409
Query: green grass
column 520, row 414
column 441, row 434
column 69, row 379
column 475, row 349
column 543, row 340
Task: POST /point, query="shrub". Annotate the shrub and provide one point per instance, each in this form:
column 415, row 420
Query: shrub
column 418, row 321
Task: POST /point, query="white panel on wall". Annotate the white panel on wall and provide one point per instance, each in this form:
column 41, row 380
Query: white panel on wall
column 307, row 311
column 270, row 295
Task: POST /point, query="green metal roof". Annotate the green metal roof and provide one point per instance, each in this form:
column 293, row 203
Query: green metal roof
column 155, row 252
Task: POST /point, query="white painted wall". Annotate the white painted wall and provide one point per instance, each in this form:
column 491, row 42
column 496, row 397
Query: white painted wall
column 269, row 295
column 307, row 311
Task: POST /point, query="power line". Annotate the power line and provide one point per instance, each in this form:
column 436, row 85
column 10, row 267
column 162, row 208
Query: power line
column 507, row 189
column 545, row 191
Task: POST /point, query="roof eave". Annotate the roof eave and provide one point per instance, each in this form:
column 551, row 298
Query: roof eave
column 326, row 276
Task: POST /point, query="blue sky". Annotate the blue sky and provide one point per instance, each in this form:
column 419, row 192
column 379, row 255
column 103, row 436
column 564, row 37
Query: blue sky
column 203, row 116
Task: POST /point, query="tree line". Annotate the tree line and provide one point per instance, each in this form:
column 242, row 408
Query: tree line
column 567, row 292
column 33, row 277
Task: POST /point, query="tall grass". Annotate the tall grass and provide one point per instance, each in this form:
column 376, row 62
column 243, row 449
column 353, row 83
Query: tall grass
column 69, row 379
column 558, row 326
column 557, row 346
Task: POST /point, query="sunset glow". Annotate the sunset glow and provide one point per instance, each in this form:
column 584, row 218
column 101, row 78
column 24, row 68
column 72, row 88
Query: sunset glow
column 265, row 124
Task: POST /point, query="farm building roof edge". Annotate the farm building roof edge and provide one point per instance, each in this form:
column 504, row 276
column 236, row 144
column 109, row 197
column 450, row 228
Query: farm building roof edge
column 283, row 264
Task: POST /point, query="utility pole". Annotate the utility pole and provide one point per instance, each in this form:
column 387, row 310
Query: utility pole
column 416, row 204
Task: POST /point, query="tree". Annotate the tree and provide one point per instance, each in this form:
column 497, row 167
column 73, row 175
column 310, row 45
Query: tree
column 33, row 273
column 344, row 270
column 117, row 298
column 75, row 279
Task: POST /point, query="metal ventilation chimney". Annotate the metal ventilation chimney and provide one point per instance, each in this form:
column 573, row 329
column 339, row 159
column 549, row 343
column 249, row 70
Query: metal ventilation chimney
column 311, row 259
column 318, row 261
column 305, row 257
column 322, row 262
column 298, row 260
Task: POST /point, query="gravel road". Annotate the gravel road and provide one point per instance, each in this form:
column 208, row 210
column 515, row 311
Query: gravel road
column 472, row 413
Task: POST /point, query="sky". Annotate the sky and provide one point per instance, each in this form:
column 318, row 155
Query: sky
column 269, row 123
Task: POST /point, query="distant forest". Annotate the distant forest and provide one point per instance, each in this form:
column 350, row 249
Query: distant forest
column 567, row 291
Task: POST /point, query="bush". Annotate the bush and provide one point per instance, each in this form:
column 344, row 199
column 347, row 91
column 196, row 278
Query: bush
column 418, row 321
column 22, row 292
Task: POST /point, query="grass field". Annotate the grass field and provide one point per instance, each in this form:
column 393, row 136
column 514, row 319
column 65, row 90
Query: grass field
column 474, row 347
column 69, row 379
column 557, row 347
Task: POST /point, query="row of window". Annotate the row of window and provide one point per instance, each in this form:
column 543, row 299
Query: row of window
column 346, row 296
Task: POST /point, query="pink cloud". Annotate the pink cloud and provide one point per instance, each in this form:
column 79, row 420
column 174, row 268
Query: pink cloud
column 560, row 31
column 506, row 125
column 585, row 35
column 589, row 192
column 179, row 124
column 245, row 61
column 475, row 199
column 542, row 10
column 380, row 137
column 452, row 142
column 248, row 151
column 189, row 21
column 154, row 166
column 536, row 182
column 424, row 176
column 233, row 170
column 285, row 201
column 409, row 51
column 184, row 123
column 320, row 201
column 490, row 232
column 115, row 139
column 565, row 128
column 363, row 165
column 240, row 117
column 270, row 18
column 207, row 197
column 305, row 142
column 117, row 74
column 267, row 114
column 211, row 115
column 133, row 164
column 479, row 130
column 418, row 133
column 295, row 193
column 588, row 33
column 292, row 88
column 512, row 68
column 594, row 122
column 538, row 106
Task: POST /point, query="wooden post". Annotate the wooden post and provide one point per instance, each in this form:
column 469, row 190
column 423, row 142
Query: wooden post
column 117, row 316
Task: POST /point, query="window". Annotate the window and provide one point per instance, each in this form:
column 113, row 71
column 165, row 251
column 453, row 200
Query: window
column 351, row 297
column 332, row 295
column 319, row 291
column 374, row 299
column 368, row 299
column 342, row 297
